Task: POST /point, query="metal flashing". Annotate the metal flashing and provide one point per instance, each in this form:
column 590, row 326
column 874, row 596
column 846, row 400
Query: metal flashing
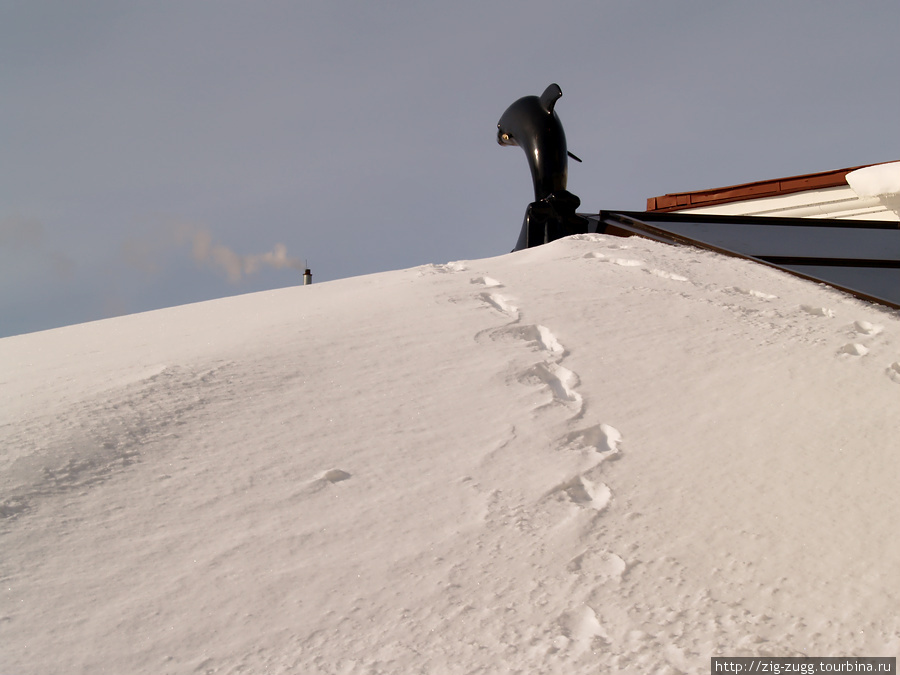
column 858, row 257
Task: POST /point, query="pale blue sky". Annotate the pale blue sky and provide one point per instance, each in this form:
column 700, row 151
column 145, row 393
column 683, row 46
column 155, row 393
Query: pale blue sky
column 147, row 146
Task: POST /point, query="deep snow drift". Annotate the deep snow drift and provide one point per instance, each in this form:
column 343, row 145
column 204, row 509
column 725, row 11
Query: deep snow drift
column 600, row 455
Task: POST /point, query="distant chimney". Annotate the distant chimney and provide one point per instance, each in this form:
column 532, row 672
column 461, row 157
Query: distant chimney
column 307, row 277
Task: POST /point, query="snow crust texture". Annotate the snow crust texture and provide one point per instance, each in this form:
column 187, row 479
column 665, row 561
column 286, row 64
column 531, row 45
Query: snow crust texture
column 600, row 455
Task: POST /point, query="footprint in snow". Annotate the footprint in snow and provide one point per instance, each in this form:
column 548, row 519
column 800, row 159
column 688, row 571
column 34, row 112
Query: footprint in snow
column 330, row 477
column 548, row 342
column 561, row 382
column 602, row 565
column 624, row 262
column 854, row 349
column 601, row 437
column 627, row 262
column 671, row 276
column 580, row 629
column 866, row 328
column 893, row 371
column 817, row 311
column 757, row 294
column 541, row 336
column 582, row 492
column 501, row 304
column 445, row 268
column 486, row 281
column 589, row 236
column 321, row 481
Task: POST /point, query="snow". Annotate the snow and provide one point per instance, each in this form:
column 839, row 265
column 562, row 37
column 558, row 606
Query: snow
column 599, row 455
column 876, row 181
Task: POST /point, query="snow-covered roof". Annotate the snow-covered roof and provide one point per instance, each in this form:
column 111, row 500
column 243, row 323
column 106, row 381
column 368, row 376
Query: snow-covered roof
column 862, row 257
column 601, row 455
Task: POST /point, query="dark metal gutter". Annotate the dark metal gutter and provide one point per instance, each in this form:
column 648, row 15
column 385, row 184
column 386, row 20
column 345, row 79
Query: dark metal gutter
column 660, row 227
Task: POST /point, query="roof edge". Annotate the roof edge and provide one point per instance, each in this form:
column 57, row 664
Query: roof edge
column 758, row 190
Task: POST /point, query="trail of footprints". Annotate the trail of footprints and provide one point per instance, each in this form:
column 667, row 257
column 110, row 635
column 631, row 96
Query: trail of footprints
column 633, row 262
column 601, row 440
column 585, row 496
column 581, row 629
column 563, row 382
column 860, row 329
column 578, row 629
column 860, row 333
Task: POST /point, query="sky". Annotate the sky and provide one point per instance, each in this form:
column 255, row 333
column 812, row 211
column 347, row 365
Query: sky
column 157, row 154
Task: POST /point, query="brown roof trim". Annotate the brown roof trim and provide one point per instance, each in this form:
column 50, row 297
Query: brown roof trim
column 758, row 190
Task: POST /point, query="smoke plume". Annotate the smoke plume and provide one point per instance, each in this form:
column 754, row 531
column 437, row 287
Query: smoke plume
column 206, row 252
column 235, row 266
